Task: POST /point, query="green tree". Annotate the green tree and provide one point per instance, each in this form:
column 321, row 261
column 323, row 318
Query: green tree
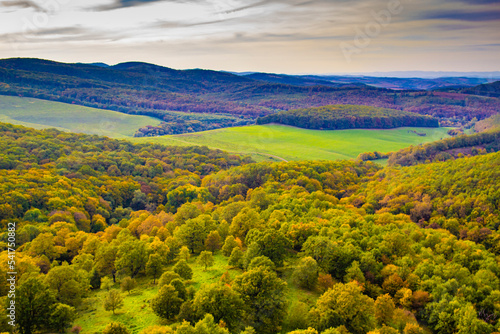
column 206, row 259
column 205, row 326
column 180, row 288
column 34, row 302
column 167, row 277
column 222, row 302
column 261, row 261
column 62, row 317
column 167, row 303
column 306, row 273
column 384, row 309
column 95, row 280
column 154, row 266
column 213, row 242
column 184, row 254
column 115, row 328
column 69, row 284
column 132, row 257
column 229, row 245
column 183, row 269
column 113, row 301
column 194, row 232
column 353, row 273
column 344, row 304
column 264, row 294
column 274, row 245
column 106, row 283
column 236, row 258
column 128, row 284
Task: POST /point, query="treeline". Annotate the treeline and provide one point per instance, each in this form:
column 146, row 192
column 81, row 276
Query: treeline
column 177, row 123
column 313, row 247
column 449, row 148
column 339, row 117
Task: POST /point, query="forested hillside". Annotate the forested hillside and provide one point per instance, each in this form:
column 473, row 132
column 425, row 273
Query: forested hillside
column 200, row 241
column 339, row 117
column 449, row 148
column 147, row 89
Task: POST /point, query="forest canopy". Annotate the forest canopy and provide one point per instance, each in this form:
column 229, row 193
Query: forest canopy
column 224, row 245
column 338, row 117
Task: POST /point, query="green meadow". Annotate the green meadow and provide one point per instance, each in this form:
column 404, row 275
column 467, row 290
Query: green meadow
column 278, row 142
column 41, row 114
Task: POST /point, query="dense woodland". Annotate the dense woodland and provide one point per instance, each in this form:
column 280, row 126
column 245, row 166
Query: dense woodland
column 339, row 117
column 449, row 148
column 146, row 89
column 318, row 247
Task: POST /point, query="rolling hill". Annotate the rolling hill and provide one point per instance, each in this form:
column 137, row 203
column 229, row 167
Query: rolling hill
column 151, row 90
column 41, row 114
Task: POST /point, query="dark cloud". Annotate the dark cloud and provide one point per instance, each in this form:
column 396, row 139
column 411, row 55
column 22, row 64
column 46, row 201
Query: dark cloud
column 462, row 15
column 482, row 2
column 22, row 4
column 124, row 3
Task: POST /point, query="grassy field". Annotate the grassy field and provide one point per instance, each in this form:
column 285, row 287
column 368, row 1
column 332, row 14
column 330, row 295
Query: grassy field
column 278, row 142
column 42, row 114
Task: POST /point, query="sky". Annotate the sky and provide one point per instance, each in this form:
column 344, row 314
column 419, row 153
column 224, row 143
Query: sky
column 280, row 36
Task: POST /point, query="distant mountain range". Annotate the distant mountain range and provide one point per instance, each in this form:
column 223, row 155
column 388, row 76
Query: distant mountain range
column 148, row 89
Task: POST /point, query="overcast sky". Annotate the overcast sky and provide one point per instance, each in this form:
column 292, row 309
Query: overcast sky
column 285, row 36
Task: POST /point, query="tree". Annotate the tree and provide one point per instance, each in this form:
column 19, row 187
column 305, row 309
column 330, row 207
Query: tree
column 354, row 273
column 106, row 283
column 306, row 273
column 264, row 294
column 274, row 245
column 61, row 317
column 184, row 253
column 194, row 232
column 95, row 280
column 344, row 305
column 105, row 260
column 154, row 266
column 261, row 261
column 205, row 326
column 236, row 258
column 183, row 269
column 213, row 242
column 69, row 284
column 167, row 277
column 113, row 301
column 128, row 284
column 206, row 259
column 384, row 309
column 132, row 256
column 180, row 288
column 167, row 303
column 229, row 245
column 115, row 328
column 34, row 301
column 220, row 301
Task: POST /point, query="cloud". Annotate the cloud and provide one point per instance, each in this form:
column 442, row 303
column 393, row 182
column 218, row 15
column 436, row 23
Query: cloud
column 462, row 15
column 124, row 3
column 22, row 4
